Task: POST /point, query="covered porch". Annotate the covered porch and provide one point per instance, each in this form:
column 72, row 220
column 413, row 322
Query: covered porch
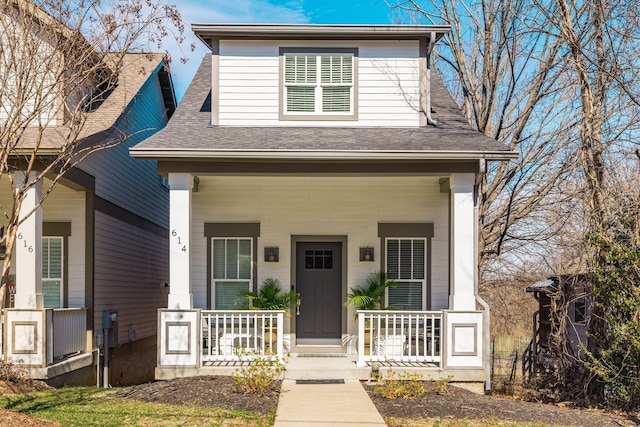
column 422, row 342
column 45, row 325
column 320, row 236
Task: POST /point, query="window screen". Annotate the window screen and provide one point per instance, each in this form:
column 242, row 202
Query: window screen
column 319, row 83
column 52, row 270
column 406, row 264
column 232, row 271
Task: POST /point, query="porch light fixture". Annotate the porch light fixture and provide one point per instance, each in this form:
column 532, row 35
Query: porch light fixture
column 366, row 254
column 271, row 254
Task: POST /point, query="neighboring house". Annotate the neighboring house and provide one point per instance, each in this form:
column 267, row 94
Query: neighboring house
column 559, row 326
column 316, row 155
column 97, row 245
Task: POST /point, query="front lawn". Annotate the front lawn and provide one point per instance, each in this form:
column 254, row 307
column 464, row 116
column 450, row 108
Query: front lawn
column 86, row 406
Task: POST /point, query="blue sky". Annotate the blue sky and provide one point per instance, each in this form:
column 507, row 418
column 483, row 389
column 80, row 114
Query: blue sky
column 266, row 11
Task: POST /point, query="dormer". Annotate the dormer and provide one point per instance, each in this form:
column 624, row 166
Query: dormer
column 320, row 75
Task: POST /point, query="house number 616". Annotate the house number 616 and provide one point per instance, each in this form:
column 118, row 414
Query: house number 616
column 174, row 233
column 29, row 248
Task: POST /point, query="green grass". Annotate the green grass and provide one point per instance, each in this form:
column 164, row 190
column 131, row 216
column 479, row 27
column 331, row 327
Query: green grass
column 85, row 406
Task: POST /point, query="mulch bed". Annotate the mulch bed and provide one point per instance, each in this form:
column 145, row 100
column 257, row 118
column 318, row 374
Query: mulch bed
column 460, row 403
column 211, row 391
column 215, row 391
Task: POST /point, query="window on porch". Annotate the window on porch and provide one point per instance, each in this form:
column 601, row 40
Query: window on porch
column 406, row 263
column 232, row 271
column 52, row 271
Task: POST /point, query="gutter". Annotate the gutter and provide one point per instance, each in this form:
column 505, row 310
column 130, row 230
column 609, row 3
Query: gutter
column 486, row 317
column 191, row 153
column 432, row 42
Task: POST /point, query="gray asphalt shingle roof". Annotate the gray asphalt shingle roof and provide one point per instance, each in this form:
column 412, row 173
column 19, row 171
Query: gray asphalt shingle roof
column 136, row 69
column 189, row 134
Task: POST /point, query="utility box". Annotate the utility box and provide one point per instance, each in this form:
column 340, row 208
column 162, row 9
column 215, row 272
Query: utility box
column 110, row 323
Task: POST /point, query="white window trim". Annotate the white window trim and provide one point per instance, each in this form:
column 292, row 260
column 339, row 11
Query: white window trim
column 423, row 281
column 318, row 114
column 213, row 278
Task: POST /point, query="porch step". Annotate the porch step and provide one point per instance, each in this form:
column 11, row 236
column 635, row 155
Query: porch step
column 325, row 366
column 322, row 355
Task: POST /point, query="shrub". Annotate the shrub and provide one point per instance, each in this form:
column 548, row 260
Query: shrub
column 612, row 359
column 13, row 373
column 258, row 376
column 406, row 386
column 441, row 385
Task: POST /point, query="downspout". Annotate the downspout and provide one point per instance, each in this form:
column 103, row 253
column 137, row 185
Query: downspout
column 486, row 325
column 432, row 42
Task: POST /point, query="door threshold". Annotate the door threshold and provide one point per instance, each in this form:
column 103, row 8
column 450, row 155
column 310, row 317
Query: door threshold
column 300, row 342
column 342, row 355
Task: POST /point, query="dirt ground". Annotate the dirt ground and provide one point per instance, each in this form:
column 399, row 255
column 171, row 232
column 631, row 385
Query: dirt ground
column 458, row 403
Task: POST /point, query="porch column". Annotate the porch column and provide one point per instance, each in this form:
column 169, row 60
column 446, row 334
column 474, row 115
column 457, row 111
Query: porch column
column 180, row 189
column 463, row 243
column 28, row 245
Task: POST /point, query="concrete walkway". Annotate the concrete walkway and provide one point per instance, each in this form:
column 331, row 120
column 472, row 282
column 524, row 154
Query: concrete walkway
column 315, row 404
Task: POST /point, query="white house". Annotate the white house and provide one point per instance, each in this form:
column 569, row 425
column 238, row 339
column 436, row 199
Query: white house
column 97, row 246
column 316, row 155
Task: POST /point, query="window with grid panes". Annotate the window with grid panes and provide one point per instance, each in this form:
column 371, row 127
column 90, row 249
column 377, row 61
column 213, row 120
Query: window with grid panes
column 232, row 271
column 52, row 270
column 406, row 263
column 318, row 83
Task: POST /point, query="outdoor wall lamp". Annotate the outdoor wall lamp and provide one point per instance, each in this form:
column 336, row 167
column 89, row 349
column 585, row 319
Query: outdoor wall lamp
column 366, row 254
column 271, row 254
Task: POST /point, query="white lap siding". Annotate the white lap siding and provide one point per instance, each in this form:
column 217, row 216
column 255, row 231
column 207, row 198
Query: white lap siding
column 66, row 205
column 350, row 207
column 387, row 80
column 63, row 205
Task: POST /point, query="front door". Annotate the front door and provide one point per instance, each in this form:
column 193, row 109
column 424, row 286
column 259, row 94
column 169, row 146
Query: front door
column 319, row 283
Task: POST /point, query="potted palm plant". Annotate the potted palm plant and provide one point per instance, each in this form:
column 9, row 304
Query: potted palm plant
column 270, row 296
column 369, row 297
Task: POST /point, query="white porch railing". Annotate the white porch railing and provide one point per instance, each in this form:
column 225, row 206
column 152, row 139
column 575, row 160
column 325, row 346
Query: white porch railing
column 241, row 335
column 69, row 327
column 399, row 336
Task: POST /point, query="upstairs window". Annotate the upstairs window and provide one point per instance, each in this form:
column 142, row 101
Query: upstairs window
column 319, row 85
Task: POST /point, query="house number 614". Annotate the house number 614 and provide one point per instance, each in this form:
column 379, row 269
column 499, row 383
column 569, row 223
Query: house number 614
column 174, row 233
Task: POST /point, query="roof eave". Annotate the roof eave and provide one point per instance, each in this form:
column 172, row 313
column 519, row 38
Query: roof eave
column 177, row 154
column 206, row 31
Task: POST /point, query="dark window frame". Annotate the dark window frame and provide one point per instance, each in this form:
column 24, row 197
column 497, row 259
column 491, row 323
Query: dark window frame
column 237, row 230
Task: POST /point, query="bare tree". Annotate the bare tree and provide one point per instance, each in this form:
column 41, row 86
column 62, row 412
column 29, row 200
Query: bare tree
column 506, row 79
column 60, row 60
column 601, row 40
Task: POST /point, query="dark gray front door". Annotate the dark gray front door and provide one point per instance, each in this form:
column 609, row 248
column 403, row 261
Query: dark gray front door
column 319, row 283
